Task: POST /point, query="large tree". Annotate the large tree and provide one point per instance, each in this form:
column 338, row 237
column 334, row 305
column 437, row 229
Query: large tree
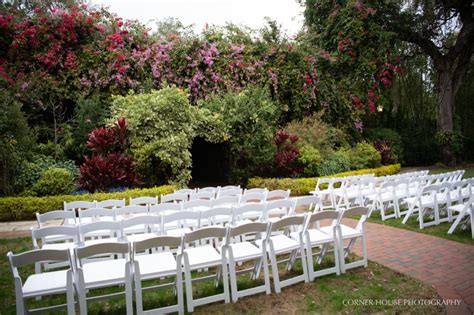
column 441, row 29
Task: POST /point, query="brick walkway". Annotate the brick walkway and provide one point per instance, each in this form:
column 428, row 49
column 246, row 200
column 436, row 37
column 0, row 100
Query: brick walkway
column 446, row 265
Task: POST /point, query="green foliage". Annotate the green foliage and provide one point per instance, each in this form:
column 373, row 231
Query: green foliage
column 389, row 135
column 452, row 138
column 54, row 181
column 310, row 159
column 303, row 186
column 30, row 172
column 364, row 155
column 24, row 208
column 251, row 118
column 162, row 127
column 338, row 162
column 15, row 142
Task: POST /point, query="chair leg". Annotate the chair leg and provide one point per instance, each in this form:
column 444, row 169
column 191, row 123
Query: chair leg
column 81, row 293
column 310, row 265
column 337, row 258
column 189, row 285
column 304, row 265
column 138, row 289
column 276, row 276
column 456, row 223
column 128, row 289
column 233, row 280
column 364, row 250
column 70, row 293
column 179, row 288
column 225, row 280
column 266, row 274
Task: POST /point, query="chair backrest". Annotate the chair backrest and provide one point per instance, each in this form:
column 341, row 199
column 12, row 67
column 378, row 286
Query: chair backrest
column 96, row 214
column 185, row 191
column 82, row 253
column 203, row 194
column 229, row 187
column 166, row 207
column 143, row 201
column 73, row 205
column 253, row 197
column 150, row 223
column 156, row 242
column 255, row 190
column 285, row 223
column 175, row 197
column 321, row 216
column 402, row 188
column 111, row 203
column 113, row 229
column 67, row 233
column 130, row 211
column 224, row 215
column 280, row 207
column 204, row 233
column 38, row 256
column 197, row 204
column 69, row 217
column 230, row 192
column 256, row 229
column 355, row 211
column 278, row 194
column 183, row 218
column 226, row 200
column 309, row 202
column 249, row 211
column 324, row 183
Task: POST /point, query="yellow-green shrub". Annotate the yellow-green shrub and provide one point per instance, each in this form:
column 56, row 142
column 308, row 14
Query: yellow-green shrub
column 24, row 208
column 302, row 186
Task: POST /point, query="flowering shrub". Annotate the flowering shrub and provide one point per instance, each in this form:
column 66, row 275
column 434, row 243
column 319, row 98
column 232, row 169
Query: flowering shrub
column 384, row 147
column 108, row 167
column 286, row 155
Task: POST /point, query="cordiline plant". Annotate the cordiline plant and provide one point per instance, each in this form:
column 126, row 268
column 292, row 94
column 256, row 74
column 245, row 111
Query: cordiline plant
column 108, row 166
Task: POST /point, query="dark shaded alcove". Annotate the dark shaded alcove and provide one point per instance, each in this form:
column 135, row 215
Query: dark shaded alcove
column 210, row 163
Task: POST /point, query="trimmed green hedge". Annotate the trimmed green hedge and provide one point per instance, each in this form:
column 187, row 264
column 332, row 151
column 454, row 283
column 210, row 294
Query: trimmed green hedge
column 24, row 208
column 302, row 186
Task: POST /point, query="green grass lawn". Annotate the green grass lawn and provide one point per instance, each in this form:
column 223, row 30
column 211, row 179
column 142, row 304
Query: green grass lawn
column 329, row 294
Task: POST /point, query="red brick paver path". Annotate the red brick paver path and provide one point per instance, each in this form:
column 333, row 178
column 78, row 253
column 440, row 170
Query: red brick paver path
column 446, row 265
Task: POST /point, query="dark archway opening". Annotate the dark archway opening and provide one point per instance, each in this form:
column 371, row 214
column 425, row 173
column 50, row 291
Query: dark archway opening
column 210, row 163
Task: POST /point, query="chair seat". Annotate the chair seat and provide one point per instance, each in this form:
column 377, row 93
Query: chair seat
column 317, row 236
column 203, row 256
column 140, row 237
column 245, row 250
column 45, row 283
column 158, row 264
column 104, row 272
column 283, row 243
column 178, row 232
column 347, row 231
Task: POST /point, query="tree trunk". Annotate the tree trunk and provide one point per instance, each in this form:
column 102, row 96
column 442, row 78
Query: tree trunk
column 446, row 96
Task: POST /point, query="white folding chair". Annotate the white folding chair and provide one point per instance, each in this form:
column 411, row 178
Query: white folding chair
column 239, row 252
column 254, row 197
column 309, row 203
column 158, row 265
column 424, row 204
column 54, row 237
column 66, row 217
column 197, row 205
column 92, row 274
column 140, row 228
column 95, row 215
column 111, row 203
column 202, row 194
column 255, row 191
column 175, row 197
column 383, row 199
column 204, row 257
column 278, row 194
column 216, row 216
column 229, row 187
column 230, row 192
column 463, row 210
column 165, row 208
column 226, row 201
column 277, row 209
column 43, row 284
column 249, row 213
column 314, row 237
column 283, row 244
column 179, row 223
column 75, row 206
column 130, row 211
column 187, row 191
column 324, row 191
column 99, row 232
column 350, row 235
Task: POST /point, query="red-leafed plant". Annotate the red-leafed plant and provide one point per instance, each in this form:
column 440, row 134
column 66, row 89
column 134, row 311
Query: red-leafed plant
column 385, row 149
column 108, row 167
column 286, row 155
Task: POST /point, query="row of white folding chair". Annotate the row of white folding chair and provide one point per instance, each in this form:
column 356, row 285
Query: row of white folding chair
column 352, row 190
column 89, row 274
column 436, row 200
